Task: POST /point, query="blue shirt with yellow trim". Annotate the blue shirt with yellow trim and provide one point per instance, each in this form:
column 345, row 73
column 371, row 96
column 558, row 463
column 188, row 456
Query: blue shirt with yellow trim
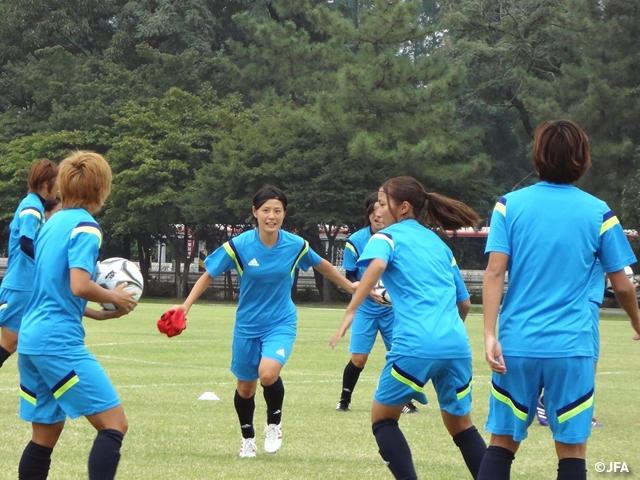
column 265, row 277
column 352, row 250
column 553, row 235
column 52, row 321
column 425, row 285
column 27, row 221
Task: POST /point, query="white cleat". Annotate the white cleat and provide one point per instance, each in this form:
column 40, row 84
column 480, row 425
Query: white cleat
column 273, row 437
column 248, row 448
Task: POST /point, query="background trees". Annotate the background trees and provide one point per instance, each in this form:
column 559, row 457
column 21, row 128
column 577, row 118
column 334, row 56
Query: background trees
column 197, row 104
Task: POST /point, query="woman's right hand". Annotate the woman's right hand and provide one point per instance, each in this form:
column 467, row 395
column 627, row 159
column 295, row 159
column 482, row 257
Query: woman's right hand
column 124, row 299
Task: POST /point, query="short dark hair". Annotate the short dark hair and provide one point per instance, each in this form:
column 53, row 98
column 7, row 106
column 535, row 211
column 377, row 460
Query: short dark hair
column 269, row 193
column 560, row 152
column 370, row 205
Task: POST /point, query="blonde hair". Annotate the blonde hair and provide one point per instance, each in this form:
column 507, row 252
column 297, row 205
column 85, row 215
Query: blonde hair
column 85, row 181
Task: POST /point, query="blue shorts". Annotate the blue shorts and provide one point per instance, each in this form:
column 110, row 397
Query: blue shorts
column 594, row 311
column 365, row 327
column 53, row 387
column 12, row 305
column 403, row 378
column 246, row 353
column 568, row 397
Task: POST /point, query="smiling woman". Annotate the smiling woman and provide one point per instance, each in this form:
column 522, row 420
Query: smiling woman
column 265, row 260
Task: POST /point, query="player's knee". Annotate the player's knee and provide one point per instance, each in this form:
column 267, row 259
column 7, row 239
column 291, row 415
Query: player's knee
column 123, row 426
column 359, row 360
column 9, row 341
column 268, row 378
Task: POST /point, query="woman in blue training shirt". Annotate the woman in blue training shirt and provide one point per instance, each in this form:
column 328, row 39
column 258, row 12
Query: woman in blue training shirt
column 59, row 377
column 549, row 236
column 371, row 317
column 430, row 303
column 265, row 259
column 17, row 283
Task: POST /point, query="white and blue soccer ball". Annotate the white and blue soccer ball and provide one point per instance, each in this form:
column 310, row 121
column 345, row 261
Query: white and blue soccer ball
column 114, row 271
column 381, row 290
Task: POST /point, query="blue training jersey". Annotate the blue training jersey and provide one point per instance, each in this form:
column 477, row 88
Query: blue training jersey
column 424, row 282
column 597, row 283
column 553, row 235
column 52, row 321
column 265, row 277
column 27, row 221
column 352, row 250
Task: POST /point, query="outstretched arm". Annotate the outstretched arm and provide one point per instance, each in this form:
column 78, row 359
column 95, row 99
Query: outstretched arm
column 329, row 271
column 370, row 277
column 198, row 289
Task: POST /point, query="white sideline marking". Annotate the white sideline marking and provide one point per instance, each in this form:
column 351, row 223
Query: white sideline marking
column 147, row 362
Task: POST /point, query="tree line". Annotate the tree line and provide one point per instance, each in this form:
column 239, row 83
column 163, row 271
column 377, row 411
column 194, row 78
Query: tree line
column 197, row 104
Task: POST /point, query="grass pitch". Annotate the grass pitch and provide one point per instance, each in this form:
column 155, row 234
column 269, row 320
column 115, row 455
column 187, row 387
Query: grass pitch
column 173, row 435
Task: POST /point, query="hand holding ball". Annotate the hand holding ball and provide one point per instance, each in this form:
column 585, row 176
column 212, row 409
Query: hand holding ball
column 116, row 271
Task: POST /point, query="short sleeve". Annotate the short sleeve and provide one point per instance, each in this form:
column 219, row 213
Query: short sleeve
column 224, row 259
column 307, row 258
column 498, row 240
column 379, row 246
column 350, row 256
column 84, row 246
column 30, row 221
column 614, row 250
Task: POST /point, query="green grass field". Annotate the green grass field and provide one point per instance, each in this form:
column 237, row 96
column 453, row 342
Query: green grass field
column 173, row 435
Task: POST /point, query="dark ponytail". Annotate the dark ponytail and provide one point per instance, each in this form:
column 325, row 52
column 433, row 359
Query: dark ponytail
column 449, row 214
column 442, row 212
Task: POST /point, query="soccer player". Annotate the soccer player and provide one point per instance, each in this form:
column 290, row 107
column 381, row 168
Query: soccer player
column 17, row 283
column 549, row 236
column 430, row 303
column 58, row 375
column 266, row 259
column 371, row 317
column 596, row 294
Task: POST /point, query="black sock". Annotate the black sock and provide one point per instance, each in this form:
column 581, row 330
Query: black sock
column 472, row 446
column 274, row 396
column 245, row 408
column 35, row 462
column 572, row 469
column 4, row 354
column 105, row 454
column 394, row 449
column 350, row 377
column 496, row 464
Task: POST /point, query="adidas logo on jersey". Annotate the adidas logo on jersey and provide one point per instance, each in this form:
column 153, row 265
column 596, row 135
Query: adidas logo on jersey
column 254, row 263
column 280, row 352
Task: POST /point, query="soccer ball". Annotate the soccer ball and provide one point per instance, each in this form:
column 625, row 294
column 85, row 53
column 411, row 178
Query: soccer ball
column 114, row 271
column 381, row 290
column 609, row 289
